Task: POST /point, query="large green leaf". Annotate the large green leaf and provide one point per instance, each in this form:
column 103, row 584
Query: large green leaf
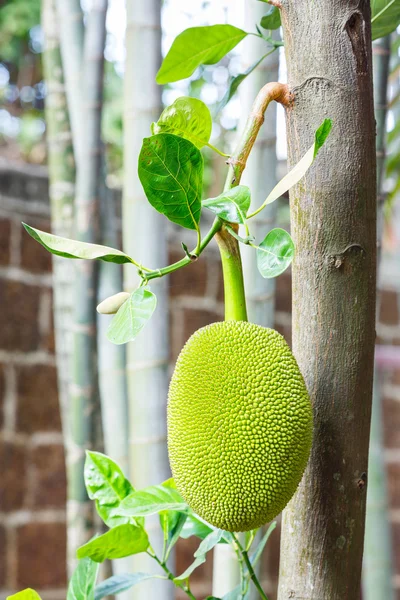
column 194, row 526
column 152, row 500
column 107, row 485
column 198, row 46
column 272, row 20
column 83, row 580
column 27, row 594
column 119, row 583
column 196, row 563
column 232, row 205
column 275, row 253
column 121, row 541
column 385, row 17
column 171, row 173
column 73, row 249
column 209, row 542
column 132, row 316
column 187, row 117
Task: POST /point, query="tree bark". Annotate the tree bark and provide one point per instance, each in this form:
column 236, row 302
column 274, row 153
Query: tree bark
column 333, row 217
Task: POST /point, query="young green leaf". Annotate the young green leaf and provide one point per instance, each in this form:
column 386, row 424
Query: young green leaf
column 198, row 46
column 83, row 580
column 171, row 173
column 209, row 542
column 187, row 117
column 73, row 249
column 275, row 253
column 385, row 17
column 107, row 485
column 194, row 526
column 298, row 172
column 132, row 316
column 272, row 20
column 232, row 205
column 196, row 563
column 152, row 500
column 254, row 558
column 27, row 594
column 121, row 541
column 120, row 583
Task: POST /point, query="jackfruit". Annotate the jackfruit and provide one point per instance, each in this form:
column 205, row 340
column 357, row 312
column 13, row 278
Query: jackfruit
column 239, row 424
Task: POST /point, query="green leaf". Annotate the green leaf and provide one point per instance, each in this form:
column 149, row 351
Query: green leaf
column 272, row 20
column 275, row 253
column 321, row 135
column 209, row 542
column 232, row 205
column 236, row 594
column 27, row 594
column 132, row 316
column 195, row 526
column 171, row 523
column 198, row 46
column 152, row 500
column 385, row 17
column 196, row 563
column 236, row 81
column 254, row 558
column 119, row 583
column 121, row 541
column 171, row 173
column 83, row 580
column 73, row 249
column 107, row 485
column 187, row 117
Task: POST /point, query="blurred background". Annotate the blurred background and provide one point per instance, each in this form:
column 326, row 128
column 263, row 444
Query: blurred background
column 63, row 386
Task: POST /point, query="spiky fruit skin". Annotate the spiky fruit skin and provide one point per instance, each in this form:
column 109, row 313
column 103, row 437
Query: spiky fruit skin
column 239, row 424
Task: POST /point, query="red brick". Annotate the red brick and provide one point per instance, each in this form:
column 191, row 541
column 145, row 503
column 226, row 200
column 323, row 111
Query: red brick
column 13, row 477
column 190, row 281
column 194, row 319
column 34, row 258
column 41, row 555
column 19, row 316
column 2, row 394
column 3, row 557
column 49, row 481
column 391, row 411
column 393, row 478
column 389, row 307
column 283, row 295
column 5, row 235
column 38, row 408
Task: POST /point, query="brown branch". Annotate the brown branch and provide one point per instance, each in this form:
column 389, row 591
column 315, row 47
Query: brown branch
column 275, row 3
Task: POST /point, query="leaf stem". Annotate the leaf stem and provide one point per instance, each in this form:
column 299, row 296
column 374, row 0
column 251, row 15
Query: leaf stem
column 249, row 566
column 171, row 577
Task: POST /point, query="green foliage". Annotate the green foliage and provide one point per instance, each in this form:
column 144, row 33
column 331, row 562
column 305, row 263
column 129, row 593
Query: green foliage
column 122, row 540
column 272, row 20
column 188, row 118
column 83, row 580
column 171, row 173
column 120, row 583
column 132, row 316
column 385, row 17
column 152, row 500
column 27, row 594
column 17, row 17
column 275, row 253
column 232, row 205
column 198, row 46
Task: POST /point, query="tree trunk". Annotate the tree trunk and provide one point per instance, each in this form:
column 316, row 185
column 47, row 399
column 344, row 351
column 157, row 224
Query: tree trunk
column 145, row 238
column 333, row 213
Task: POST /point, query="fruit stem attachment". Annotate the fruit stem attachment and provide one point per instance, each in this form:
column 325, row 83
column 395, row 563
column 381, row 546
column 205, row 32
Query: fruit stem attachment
column 235, row 298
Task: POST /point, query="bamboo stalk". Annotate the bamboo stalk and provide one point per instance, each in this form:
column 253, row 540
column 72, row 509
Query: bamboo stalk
column 62, row 191
column 144, row 237
column 85, row 403
column 377, row 564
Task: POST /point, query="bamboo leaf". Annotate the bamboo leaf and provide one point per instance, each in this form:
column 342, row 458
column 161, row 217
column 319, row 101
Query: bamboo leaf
column 232, row 205
column 187, row 117
column 120, row 583
column 152, row 500
column 198, row 46
column 196, row 563
column 275, row 253
column 236, row 81
column 272, row 20
column 27, row 594
column 107, row 485
column 254, row 558
column 209, row 542
column 74, row 249
column 121, row 541
column 385, row 17
column 83, row 580
column 171, row 173
column 132, row 316
column 194, row 526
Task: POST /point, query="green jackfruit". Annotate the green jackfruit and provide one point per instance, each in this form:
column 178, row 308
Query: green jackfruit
column 239, row 424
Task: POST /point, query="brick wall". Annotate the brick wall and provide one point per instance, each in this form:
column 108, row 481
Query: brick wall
column 32, row 482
